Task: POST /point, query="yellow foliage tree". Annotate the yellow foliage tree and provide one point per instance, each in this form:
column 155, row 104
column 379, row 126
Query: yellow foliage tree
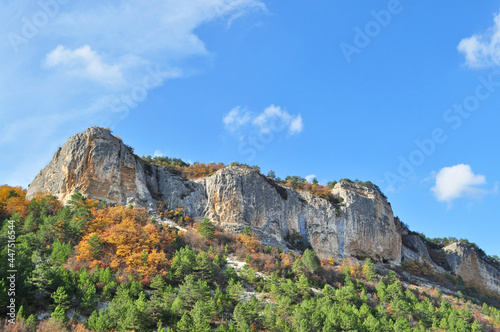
column 124, row 239
column 13, row 199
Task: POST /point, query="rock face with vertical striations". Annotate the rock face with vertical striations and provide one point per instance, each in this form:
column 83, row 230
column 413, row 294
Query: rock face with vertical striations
column 368, row 225
column 96, row 164
column 465, row 262
column 413, row 248
column 100, row 166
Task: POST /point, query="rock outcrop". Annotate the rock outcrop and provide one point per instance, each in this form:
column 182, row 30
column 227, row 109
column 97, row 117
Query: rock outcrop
column 97, row 164
column 101, row 166
column 465, row 262
column 368, row 227
column 413, row 248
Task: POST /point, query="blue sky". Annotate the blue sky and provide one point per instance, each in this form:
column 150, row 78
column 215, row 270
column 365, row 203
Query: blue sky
column 402, row 93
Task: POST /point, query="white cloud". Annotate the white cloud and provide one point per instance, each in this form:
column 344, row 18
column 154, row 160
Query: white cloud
column 158, row 153
column 236, row 118
column 296, row 125
column 309, row 178
column 84, row 62
column 271, row 120
column 482, row 50
column 458, row 181
column 274, row 119
column 91, row 65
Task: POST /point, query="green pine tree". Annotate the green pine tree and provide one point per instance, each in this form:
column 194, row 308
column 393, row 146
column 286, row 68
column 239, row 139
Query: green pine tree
column 369, row 269
column 185, row 324
column 200, row 316
column 206, row 229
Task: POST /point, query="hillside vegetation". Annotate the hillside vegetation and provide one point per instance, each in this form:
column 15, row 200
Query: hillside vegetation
column 198, row 170
column 88, row 266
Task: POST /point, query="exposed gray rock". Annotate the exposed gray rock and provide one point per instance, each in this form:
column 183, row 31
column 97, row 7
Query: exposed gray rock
column 97, row 164
column 465, row 262
column 368, row 225
column 413, row 248
column 100, row 166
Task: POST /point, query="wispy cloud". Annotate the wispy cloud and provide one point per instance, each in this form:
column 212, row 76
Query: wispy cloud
column 158, row 153
column 84, row 62
column 271, row 119
column 458, row 181
column 91, row 64
column 310, row 178
column 236, row 118
column 483, row 49
column 256, row 131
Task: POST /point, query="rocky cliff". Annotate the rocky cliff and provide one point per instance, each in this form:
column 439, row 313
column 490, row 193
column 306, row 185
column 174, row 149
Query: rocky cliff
column 465, row 262
column 457, row 258
column 368, row 225
column 101, row 166
column 96, row 164
column 413, row 248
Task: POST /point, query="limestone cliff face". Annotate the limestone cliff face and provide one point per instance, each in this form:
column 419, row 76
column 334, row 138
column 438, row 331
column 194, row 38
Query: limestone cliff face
column 237, row 195
column 96, row 164
column 368, row 225
column 413, row 248
column 100, row 166
column 465, row 262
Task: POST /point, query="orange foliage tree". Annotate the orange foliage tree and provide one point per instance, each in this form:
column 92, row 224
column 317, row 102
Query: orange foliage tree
column 13, row 199
column 199, row 170
column 124, row 239
column 249, row 242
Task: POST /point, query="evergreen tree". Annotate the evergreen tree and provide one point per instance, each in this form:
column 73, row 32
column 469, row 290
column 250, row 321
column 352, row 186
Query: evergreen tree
column 298, row 267
column 200, row 316
column 157, row 284
column 303, row 285
column 234, row 290
column 369, row 269
column 102, row 320
column 185, row 324
column 206, row 229
column 59, row 314
column 476, row 327
column 204, row 266
column 269, row 316
column 31, row 322
column 311, row 260
column 183, row 263
column 60, row 252
column 247, row 231
column 61, row 298
column 87, row 292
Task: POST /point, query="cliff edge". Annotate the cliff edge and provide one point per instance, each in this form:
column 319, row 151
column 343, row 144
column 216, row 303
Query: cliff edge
column 100, row 166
